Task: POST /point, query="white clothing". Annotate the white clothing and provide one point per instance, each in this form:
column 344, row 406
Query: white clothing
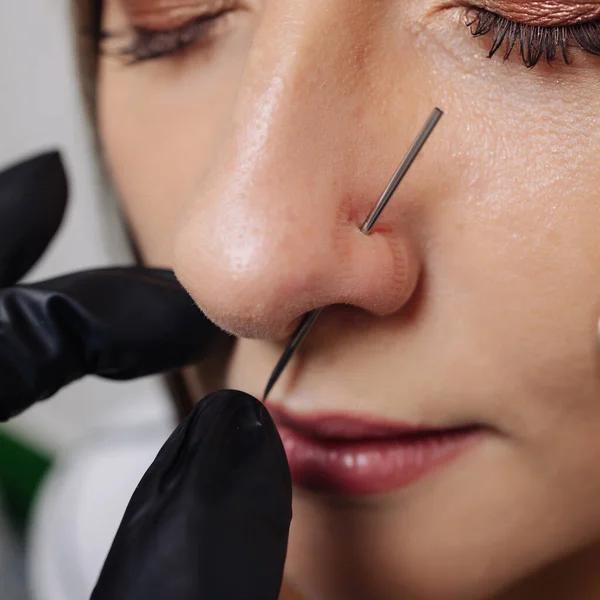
column 83, row 500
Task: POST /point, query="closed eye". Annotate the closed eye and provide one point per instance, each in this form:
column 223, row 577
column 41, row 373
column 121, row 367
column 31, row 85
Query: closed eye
column 151, row 44
column 533, row 43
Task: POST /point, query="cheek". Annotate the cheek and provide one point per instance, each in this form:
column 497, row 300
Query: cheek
column 513, row 256
column 518, row 254
column 158, row 125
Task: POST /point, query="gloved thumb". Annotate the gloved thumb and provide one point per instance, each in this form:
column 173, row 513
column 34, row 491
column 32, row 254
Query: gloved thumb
column 211, row 516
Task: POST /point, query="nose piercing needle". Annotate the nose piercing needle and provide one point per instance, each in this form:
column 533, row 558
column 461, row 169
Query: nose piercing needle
column 310, row 317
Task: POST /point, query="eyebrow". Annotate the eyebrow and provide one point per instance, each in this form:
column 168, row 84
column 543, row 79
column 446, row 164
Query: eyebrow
column 546, row 12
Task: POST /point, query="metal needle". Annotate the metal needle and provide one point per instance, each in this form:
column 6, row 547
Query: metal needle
column 309, row 319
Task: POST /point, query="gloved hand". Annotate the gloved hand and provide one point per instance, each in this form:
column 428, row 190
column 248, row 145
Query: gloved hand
column 118, row 323
column 210, row 518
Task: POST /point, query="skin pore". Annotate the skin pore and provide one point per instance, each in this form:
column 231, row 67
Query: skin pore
column 248, row 159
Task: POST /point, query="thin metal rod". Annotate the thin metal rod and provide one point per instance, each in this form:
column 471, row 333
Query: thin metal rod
column 401, row 171
column 297, row 337
column 309, row 319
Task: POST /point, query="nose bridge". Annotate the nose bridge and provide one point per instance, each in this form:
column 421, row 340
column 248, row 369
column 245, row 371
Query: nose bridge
column 301, row 83
column 290, row 158
column 295, row 149
column 295, row 56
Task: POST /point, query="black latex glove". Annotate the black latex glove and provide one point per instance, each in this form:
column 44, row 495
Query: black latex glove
column 210, row 518
column 116, row 323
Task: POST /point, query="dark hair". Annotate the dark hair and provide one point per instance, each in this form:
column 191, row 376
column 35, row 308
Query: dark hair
column 87, row 16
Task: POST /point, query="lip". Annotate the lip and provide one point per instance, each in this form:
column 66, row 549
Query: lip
column 357, row 456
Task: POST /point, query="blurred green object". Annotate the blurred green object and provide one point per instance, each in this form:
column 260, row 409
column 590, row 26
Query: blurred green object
column 22, row 470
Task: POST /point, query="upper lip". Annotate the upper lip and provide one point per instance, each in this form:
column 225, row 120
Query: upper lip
column 348, row 427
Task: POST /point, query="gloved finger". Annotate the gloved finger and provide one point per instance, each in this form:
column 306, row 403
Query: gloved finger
column 118, row 323
column 33, row 198
column 210, row 518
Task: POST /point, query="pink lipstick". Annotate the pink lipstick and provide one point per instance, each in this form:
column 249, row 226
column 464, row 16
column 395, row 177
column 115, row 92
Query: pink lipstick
column 349, row 455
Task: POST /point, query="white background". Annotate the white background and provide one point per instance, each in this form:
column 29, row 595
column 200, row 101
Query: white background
column 40, row 108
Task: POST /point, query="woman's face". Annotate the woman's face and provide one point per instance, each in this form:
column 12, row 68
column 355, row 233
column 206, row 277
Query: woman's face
column 249, row 139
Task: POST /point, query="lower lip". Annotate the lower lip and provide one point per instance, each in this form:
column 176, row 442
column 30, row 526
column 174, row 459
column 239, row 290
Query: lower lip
column 372, row 466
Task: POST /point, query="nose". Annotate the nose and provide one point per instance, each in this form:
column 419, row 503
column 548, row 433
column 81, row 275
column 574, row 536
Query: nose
column 274, row 229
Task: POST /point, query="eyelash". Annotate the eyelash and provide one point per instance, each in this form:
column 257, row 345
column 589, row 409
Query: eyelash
column 533, row 42
column 149, row 44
